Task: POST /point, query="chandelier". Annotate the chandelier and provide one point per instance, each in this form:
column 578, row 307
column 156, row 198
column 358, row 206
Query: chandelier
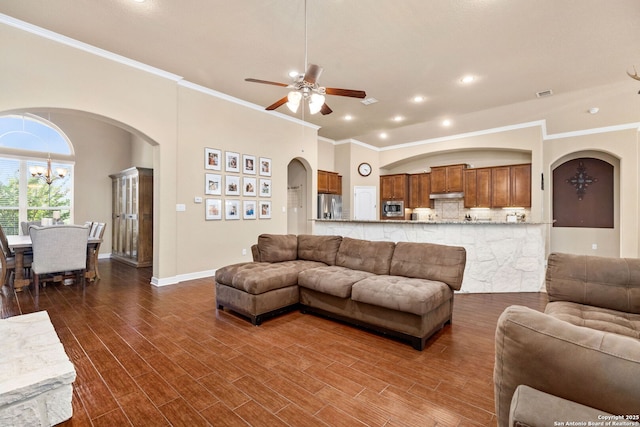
column 47, row 175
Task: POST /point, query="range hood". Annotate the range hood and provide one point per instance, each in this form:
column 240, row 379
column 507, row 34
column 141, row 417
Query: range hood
column 446, row 196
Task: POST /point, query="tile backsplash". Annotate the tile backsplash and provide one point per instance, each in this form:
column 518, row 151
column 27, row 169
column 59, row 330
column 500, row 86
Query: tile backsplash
column 454, row 210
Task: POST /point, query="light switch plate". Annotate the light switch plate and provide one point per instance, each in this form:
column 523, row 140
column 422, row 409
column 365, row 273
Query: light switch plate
column 197, row 199
column 181, row 207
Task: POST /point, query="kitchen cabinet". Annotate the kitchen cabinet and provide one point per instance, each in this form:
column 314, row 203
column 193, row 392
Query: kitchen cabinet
column 420, row 190
column 394, row 187
column 477, row 188
column 447, row 179
column 329, row 182
column 511, row 186
column 132, row 217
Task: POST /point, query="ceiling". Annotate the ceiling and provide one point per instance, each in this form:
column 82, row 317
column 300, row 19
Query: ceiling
column 394, row 50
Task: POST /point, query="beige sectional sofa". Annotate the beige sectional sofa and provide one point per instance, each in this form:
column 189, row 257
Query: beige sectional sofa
column 404, row 290
column 580, row 360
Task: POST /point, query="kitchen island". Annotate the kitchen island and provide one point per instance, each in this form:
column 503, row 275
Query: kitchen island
column 501, row 256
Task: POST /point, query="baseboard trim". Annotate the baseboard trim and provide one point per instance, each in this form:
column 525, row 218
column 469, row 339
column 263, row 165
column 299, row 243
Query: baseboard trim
column 174, row 280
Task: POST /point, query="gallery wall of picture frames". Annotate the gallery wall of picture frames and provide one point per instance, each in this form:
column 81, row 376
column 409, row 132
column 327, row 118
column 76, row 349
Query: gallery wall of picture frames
column 236, row 175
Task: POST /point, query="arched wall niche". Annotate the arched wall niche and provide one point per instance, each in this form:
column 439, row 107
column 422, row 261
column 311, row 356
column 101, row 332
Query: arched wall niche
column 587, row 241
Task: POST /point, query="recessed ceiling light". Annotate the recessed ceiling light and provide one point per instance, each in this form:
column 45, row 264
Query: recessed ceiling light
column 419, row 98
column 398, row 118
column 383, row 135
column 467, row 79
column 293, row 74
column 594, row 110
column 348, row 117
column 446, row 122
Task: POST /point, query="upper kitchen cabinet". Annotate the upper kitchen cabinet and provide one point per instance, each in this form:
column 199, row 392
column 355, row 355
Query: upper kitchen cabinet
column 419, row 190
column 511, row 186
column 447, row 179
column 329, row 182
column 477, row 188
column 394, row 187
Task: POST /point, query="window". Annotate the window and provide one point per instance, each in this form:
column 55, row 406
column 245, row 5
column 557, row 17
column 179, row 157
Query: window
column 27, row 193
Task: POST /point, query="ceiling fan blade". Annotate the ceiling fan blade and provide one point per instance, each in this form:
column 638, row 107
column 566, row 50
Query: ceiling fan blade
column 278, row 103
column 313, row 73
column 345, row 92
column 266, row 82
column 325, row 109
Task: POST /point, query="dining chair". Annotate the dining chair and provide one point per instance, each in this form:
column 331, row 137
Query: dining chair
column 7, row 259
column 24, row 226
column 97, row 231
column 58, row 250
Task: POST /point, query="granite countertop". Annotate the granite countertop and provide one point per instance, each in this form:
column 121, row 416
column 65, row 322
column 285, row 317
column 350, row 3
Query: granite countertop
column 404, row 221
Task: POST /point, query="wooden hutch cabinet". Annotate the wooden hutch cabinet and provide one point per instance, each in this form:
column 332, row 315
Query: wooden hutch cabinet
column 132, row 217
column 447, row 179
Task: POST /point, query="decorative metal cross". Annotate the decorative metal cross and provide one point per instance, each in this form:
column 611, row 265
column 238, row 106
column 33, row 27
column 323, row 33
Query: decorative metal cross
column 581, row 180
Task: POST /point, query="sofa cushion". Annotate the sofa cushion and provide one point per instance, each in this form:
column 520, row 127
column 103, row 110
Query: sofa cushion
column 417, row 296
column 318, row 248
column 333, row 280
column 365, row 255
column 225, row 275
column 612, row 283
column 431, row 261
column 602, row 319
column 263, row 277
column 277, row 247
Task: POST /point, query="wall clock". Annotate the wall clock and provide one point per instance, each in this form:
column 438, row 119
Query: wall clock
column 364, row 169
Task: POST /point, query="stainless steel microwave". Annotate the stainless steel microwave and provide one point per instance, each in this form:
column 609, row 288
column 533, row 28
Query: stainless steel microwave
column 392, row 208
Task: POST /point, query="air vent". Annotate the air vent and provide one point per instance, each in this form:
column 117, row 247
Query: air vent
column 544, row 93
column 368, row 101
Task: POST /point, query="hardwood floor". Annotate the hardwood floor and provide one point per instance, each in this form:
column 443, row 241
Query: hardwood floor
column 150, row 356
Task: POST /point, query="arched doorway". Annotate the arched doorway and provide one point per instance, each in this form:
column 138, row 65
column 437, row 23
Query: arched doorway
column 585, row 204
column 299, row 197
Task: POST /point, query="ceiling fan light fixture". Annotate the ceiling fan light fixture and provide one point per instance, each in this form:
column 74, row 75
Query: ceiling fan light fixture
column 293, row 102
column 316, row 101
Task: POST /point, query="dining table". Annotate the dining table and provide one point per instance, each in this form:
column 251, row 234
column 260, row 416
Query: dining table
column 20, row 245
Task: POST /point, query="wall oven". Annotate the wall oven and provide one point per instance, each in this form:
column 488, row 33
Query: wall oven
column 392, row 208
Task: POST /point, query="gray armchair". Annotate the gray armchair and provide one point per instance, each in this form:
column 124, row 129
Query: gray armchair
column 58, row 249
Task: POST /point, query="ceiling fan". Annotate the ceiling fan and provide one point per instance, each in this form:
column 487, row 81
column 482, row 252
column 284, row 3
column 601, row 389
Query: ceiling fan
column 306, row 87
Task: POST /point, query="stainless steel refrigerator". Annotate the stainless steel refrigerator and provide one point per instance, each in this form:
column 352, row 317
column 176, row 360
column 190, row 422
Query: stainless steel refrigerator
column 329, row 206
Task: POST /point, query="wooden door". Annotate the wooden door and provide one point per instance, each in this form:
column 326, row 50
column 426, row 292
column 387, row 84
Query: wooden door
column 439, row 179
column 483, row 188
column 470, row 188
column 323, row 182
column 500, row 186
column 521, row 185
column 454, row 180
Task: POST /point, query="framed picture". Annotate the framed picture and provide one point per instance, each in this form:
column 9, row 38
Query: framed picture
column 265, row 166
column 232, row 161
column 213, row 184
column 265, row 209
column 265, row 187
column 213, row 209
column 212, row 159
column 232, row 185
column 232, row 209
column 248, row 164
column 249, row 209
column 249, row 186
